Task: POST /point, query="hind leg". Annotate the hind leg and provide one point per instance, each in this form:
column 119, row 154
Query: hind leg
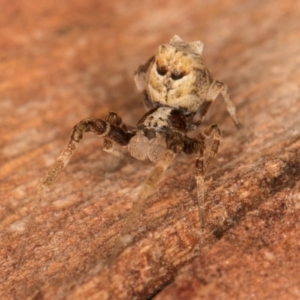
column 137, row 208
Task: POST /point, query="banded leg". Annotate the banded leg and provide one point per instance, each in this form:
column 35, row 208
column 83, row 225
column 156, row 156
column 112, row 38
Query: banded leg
column 199, row 176
column 215, row 131
column 197, row 146
column 147, row 188
column 98, row 127
column 202, row 165
column 110, row 147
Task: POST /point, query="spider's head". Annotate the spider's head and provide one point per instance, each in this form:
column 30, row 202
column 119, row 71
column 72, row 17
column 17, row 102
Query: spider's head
column 174, row 73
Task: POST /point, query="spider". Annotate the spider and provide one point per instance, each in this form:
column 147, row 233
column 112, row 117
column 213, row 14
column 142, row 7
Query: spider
column 177, row 92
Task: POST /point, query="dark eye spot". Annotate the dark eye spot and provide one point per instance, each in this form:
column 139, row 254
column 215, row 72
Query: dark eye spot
column 176, row 75
column 161, row 70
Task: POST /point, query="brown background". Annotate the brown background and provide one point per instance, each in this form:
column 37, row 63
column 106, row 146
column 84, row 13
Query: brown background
column 62, row 61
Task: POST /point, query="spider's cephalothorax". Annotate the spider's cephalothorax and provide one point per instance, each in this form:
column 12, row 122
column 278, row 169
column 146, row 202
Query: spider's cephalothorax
column 177, row 91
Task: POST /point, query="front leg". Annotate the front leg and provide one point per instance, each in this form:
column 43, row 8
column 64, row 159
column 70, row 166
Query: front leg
column 140, row 78
column 99, row 127
column 109, row 146
column 215, row 89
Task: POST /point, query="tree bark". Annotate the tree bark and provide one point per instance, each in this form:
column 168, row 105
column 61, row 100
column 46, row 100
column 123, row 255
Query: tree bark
column 62, row 62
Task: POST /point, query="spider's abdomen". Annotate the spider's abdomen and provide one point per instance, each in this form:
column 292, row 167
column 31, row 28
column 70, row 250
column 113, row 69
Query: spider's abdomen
column 177, row 76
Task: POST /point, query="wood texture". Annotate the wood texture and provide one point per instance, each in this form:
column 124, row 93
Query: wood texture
column 61, row 62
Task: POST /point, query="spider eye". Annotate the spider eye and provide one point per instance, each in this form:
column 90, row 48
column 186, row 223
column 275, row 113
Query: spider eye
column 161, row 70
column 176, row 75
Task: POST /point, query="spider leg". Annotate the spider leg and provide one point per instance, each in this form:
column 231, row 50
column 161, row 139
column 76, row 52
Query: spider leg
column 215, row 131
column 215, row 89
column 147, row 188
column 197, row 147
column 201, row 112
column 98, row 127
column 109, row 146
column 202, row 165
column 199, row 176
column 223, row 89
column 141, row 81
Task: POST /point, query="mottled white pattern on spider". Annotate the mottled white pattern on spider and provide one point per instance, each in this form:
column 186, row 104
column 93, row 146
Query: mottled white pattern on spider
column 159, row 119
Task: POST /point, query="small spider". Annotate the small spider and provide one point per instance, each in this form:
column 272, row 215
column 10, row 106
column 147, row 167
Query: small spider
column 177, row 92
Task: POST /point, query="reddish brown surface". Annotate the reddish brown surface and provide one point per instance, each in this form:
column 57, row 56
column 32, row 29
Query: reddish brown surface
column 64, row 61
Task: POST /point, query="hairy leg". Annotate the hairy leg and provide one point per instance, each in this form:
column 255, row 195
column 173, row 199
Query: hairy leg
column 215, row 132
column 109, row 146
column 197, row 146
column 98, row 127
column 147, row 188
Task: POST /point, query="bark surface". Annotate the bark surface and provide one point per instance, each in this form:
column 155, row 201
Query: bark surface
column 61, row 62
